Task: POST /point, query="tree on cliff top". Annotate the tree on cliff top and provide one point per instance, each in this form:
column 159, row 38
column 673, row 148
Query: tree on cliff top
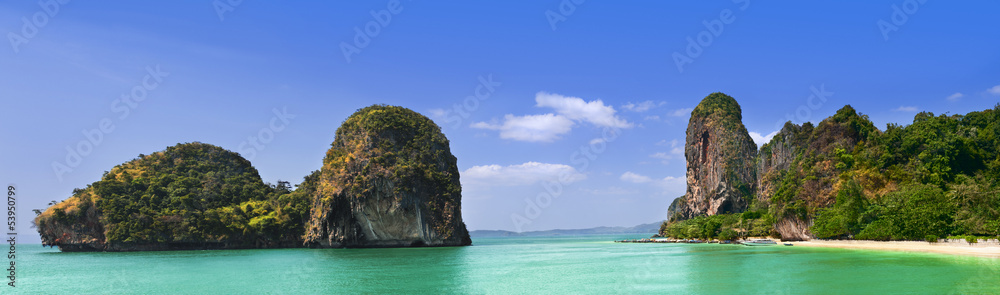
column 719, row 104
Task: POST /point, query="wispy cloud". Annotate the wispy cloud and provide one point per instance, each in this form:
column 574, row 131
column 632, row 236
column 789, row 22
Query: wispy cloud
column 575, row 108
column 675, row 153
column 905, row 109
column 532, row 128
column 549, row 127
column 641, row 106
column 995, row 90
column 628, row 176
column 668, row 185
column 521, row 174
column 681, row 112
column 956, row 96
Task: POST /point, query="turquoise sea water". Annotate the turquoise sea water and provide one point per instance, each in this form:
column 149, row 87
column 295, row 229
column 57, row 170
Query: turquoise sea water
column 538, row 265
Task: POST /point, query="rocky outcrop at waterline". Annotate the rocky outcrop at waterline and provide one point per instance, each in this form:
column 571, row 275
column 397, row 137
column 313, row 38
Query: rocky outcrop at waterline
column 388, row 180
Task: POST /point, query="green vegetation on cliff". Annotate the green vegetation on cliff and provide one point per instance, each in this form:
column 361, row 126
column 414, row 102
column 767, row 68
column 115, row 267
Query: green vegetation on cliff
column 935, row 177
column 190, row 194
column 719, row 104
column 389, row 152
column 845, row 179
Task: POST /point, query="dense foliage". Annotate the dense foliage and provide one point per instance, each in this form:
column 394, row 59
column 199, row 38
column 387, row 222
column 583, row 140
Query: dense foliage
column 191, row 193
column 383, row 144
column 719, row 104
column 932, row 179
column 720, row 227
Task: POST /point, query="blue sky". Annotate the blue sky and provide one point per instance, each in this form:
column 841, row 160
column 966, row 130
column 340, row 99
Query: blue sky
column 553, row 77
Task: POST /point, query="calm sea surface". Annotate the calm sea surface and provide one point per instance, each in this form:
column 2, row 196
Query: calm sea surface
column 538, row 265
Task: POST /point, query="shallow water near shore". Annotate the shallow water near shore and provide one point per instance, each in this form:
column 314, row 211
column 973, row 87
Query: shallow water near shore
column 537, row 265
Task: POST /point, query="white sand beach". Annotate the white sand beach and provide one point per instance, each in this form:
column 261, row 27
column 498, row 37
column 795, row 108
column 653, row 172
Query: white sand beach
column 984, row 248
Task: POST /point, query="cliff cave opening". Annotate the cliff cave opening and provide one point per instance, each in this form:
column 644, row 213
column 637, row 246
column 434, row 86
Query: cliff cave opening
column 704, row 146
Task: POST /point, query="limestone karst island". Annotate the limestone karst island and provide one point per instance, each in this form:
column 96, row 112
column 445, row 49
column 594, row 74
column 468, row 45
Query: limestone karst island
column 388, row 180
column 840, row 179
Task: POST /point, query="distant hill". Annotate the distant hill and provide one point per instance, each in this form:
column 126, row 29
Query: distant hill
column 650, row 228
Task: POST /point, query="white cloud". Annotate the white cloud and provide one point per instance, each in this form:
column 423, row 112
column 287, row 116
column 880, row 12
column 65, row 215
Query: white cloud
column 672, row 186
column 995, row 90
column 905, row 109
column 635, row 178
column 576, row 108
column 676, row 152
column 956, row 96
column 534, row 128
column 669, row 185
column 681, row 112
column 548, row 127
column 640, row 107
column 521, row 174
column 438, row 113
column 597, row 140
column 760, row 140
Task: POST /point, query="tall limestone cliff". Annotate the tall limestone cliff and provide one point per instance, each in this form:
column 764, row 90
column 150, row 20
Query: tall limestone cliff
column 788, row 180
column 389, row 180
column 721, row 168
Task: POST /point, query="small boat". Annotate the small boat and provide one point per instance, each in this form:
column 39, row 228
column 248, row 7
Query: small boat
column 760, row 242
column 788, row 244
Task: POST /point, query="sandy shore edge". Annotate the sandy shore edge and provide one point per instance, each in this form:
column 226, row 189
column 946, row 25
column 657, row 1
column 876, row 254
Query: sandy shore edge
column 987, row 249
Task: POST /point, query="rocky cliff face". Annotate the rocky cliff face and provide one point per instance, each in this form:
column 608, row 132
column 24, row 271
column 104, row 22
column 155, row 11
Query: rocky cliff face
column 790, row 177
column 778, row 155
column 797, row 171
column 721, row 171
column 389, row 180
column 73, row 225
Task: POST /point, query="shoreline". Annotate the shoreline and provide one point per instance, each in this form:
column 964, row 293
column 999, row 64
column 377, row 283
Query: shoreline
column 985, row 248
